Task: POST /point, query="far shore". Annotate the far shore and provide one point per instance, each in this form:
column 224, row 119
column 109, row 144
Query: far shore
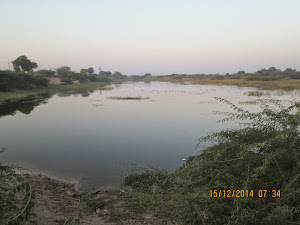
column 85, row 87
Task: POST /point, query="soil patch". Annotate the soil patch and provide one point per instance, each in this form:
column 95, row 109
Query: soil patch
column 57, row 202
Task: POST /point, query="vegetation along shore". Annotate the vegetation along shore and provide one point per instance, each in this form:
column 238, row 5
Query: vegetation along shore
column 25, row 81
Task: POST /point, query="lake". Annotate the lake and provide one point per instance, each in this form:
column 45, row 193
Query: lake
column 95, row 140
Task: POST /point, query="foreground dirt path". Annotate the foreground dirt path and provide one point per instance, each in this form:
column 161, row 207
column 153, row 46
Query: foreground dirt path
column 56, row 201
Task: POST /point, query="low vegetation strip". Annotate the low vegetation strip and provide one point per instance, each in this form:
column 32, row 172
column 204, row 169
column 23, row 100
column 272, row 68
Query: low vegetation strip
column 24, row 81
column 127, row 98
column 264, row 85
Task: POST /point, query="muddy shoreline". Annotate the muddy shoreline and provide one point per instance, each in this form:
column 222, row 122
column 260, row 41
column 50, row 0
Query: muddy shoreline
column 57, row 201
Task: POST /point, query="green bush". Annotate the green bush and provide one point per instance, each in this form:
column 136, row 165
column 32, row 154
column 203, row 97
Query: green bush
column 22, row 81
column 46, row 73
column 104, row 79
column 4, row 83
column 77, row 76
column 40, row 81
column 149, row 180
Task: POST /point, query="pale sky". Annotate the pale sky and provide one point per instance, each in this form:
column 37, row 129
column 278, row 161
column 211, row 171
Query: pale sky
column 155, row 36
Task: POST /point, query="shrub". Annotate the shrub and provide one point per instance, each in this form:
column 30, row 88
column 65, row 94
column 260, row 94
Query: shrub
column 46, row 73
column 149, row 180
column 40, row 81
column 104, row 79
column 94, row 78
column 22, row 81
column 264, row 155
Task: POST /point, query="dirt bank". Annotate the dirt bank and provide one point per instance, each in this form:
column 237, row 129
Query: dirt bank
column 56, row 202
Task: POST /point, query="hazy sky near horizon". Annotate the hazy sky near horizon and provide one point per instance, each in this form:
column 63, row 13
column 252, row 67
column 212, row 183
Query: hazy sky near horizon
column 155, row 36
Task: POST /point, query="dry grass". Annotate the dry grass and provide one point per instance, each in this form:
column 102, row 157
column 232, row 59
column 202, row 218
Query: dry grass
column 54, row 80
column 265, row 85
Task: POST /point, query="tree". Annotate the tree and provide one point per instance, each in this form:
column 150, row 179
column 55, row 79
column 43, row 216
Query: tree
column 289, row 70
column 272, row 69
column 24, row 64
column 102, row 74
column 82, row 76
column 63, row 71
column 108, row 73
column 84, row 71
column 292, row 74
column 262, row 71
column 90, row 70
column 117, row 75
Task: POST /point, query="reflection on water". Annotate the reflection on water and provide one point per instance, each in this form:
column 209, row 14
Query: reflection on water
column 24, row 106
column 94, row 138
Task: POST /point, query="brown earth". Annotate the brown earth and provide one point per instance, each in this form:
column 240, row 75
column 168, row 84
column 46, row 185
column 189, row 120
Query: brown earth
column 56, row 202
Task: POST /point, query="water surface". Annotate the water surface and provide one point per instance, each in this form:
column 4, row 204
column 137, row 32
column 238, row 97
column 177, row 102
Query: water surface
column 94, row 139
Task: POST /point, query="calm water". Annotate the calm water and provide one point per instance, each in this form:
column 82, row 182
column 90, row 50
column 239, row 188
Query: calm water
column 94, row 140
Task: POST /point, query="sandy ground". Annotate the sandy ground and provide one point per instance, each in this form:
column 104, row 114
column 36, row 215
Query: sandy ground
column 56, row 201
column 54, row 80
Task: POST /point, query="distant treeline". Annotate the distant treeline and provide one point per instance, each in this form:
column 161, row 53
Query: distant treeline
column 270, row 74
column 25, row 78
column 69, row 76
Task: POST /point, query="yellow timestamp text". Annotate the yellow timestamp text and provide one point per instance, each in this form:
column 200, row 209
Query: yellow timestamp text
column 263, row 193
